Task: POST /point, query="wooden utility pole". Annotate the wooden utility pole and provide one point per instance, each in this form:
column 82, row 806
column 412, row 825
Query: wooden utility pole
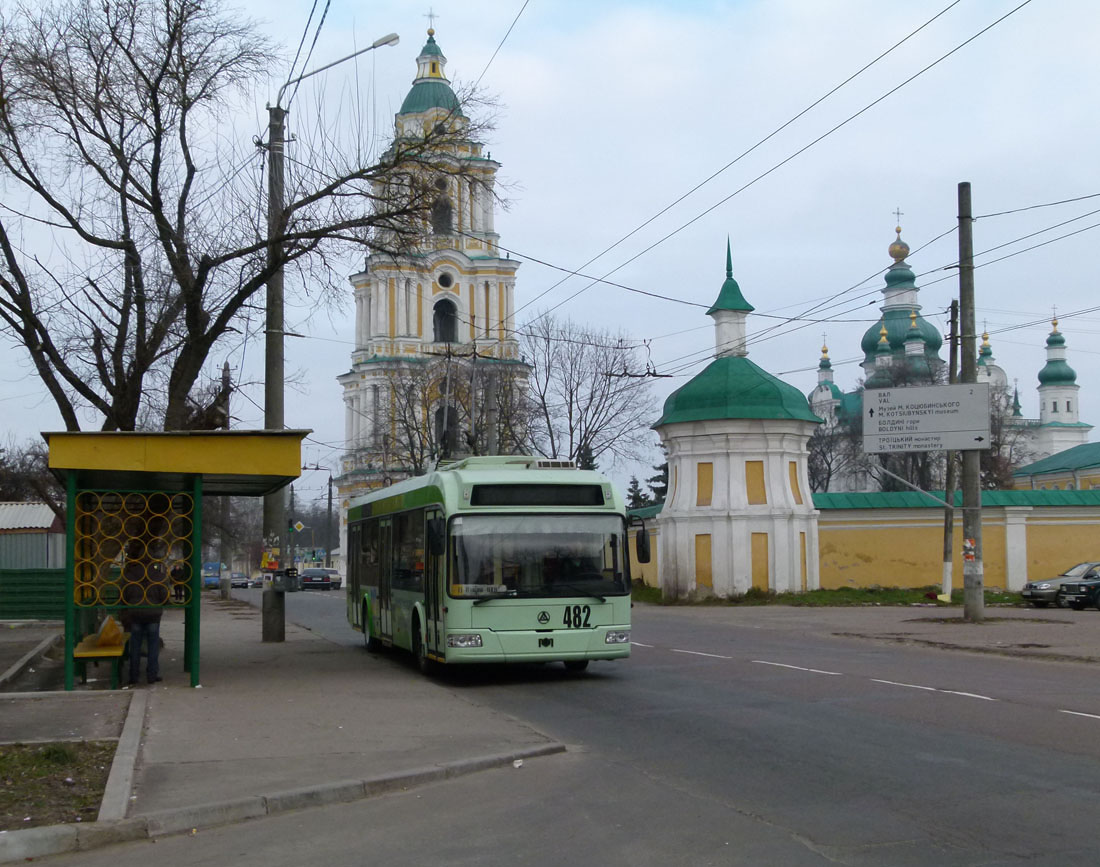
column 973, row 589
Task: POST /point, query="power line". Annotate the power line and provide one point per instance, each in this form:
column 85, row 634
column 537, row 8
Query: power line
column 801, row 150
column 745, row 153
column 502, row 41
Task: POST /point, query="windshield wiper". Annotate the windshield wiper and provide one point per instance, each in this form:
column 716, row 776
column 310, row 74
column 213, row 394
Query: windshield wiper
column 581, row 591
column 507, row 594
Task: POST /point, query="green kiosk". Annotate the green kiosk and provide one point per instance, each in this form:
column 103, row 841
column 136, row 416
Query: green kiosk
column 134, row 521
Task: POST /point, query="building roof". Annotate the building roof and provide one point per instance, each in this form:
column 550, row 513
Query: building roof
column 1084, row 456
column 430, row 87
column 732, row 387
column 916, row 500
column 26, row 516
column 729, row 296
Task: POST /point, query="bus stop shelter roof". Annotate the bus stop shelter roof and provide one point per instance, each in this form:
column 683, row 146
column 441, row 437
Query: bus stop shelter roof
column 230, row 462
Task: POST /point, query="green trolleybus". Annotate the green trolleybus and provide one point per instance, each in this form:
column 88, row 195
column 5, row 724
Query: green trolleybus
column 492, row 559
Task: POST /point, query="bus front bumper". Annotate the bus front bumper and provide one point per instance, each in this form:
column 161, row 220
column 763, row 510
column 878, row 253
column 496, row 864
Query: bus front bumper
column 604, row 642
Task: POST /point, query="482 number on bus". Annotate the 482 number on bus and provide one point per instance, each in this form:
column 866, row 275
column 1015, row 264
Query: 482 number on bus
column 577, row 616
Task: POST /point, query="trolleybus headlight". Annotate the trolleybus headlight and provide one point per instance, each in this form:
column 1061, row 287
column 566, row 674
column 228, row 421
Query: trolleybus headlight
column 473, row 640
column 621, row 636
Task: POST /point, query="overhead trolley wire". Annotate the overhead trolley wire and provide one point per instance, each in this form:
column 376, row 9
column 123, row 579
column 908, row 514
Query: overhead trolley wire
column 800, row 151
column 744, row 154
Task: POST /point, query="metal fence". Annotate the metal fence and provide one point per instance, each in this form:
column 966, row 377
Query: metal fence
column 32, row 594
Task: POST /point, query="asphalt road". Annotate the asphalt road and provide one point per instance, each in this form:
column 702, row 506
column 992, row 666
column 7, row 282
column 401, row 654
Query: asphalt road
column 717, row 744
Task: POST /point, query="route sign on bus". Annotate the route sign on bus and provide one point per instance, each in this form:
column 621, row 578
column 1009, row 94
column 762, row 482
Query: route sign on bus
column 926, row 418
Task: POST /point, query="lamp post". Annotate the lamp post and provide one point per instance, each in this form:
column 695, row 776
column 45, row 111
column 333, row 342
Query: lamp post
column 273, row 620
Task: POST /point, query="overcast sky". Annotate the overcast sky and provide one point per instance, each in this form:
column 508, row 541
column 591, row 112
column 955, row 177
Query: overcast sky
column 612, row 111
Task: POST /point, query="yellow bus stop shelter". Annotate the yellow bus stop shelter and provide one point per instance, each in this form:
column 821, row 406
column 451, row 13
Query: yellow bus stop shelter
column 134, row 516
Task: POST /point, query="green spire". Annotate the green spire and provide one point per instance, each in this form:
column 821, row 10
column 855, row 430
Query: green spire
column 729, row 296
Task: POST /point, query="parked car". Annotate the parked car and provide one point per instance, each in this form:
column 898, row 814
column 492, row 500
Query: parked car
column 334, row 576
column 1042, row 593
column 211, row 581
column 1078, row 594
column 316, row 579
column 238, row 579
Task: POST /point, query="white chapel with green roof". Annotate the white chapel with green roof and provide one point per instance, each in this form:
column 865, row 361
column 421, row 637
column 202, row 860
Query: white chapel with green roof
column 738, row 514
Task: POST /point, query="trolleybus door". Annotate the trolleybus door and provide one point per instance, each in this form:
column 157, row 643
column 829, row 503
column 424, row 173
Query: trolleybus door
column 433, row 590
column 385, row 543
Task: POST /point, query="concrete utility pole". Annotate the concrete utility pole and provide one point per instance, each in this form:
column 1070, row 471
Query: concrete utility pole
column 973, row 590
column 273, row 607
column 950, row 481
column 328, row 527
column 273, row 618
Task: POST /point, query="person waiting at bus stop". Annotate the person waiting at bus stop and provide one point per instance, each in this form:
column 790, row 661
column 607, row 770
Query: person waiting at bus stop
column 143, row 623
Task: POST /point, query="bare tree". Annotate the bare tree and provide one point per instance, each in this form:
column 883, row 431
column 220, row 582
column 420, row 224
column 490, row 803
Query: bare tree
column 132, row 234
column 25, row 476
column 1009, row 442
column 442, row 408
column 589, row 386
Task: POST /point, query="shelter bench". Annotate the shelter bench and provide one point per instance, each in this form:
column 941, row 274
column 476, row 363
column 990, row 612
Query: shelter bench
column 88, row 649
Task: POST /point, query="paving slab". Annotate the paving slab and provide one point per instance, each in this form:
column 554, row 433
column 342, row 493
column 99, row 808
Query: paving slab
column 275, row 717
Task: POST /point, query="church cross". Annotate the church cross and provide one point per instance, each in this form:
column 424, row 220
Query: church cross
column 431, row 16
column 897, row 215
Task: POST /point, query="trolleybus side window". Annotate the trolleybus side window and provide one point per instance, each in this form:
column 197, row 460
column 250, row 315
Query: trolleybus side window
column 408, row 551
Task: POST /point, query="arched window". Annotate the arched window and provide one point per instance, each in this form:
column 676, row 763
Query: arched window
column 445, row 322
column 442, row 216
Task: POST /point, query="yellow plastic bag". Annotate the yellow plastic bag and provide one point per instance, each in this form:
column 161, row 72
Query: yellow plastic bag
column 110, row 633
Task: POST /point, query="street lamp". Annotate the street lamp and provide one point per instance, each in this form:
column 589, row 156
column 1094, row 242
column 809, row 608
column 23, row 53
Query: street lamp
column 273, row 620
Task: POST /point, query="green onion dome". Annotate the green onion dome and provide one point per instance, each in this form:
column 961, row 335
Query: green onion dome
column 732, row 387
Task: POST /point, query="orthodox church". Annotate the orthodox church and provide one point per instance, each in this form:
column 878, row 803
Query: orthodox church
column 433, row 324
column 902, row 348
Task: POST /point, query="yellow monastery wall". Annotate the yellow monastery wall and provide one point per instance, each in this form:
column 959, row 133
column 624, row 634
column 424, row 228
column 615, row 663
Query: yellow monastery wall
column 1056, row 542
column 904, row 547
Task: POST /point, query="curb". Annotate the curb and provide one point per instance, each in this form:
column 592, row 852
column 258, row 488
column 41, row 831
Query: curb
column 116, row 794
column 24, row 662
column 57, row 839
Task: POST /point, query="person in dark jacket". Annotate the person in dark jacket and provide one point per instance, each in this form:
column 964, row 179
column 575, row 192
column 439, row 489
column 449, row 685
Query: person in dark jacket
column 144, row 586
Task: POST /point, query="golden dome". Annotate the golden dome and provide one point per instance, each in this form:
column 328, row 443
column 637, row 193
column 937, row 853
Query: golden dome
column 899, row 249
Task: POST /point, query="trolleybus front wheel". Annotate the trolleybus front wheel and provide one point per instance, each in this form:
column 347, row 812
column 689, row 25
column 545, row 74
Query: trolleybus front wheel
column 576, row 664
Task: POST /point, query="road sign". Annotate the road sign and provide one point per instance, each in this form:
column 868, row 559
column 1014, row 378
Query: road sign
column 299, row 526
column 926, row 418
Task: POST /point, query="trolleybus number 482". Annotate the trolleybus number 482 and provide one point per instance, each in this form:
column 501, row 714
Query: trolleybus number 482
column 577, row 616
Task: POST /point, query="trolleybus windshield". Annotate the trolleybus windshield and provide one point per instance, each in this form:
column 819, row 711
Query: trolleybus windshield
column 500, row 556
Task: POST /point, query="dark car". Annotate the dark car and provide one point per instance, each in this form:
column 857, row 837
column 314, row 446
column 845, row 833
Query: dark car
column 1042, row 593
column 1078, row 594
column 316, row 579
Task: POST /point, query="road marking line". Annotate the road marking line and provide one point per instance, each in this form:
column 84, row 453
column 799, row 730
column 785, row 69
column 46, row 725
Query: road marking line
column 933, row 689
column 639, row 644
column 697, row 653
column 907, row 685
column 1078, row 713
column 798, row 667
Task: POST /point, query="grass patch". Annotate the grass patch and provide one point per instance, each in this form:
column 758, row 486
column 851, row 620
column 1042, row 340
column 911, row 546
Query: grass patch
column 48, row 784
column 843, row 596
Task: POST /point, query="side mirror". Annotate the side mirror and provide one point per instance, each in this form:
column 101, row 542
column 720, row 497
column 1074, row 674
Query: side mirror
column 437, row 536
column 642, row 544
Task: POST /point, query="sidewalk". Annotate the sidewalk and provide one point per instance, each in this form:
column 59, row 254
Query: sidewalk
column 273, row 727
column 304, row 722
